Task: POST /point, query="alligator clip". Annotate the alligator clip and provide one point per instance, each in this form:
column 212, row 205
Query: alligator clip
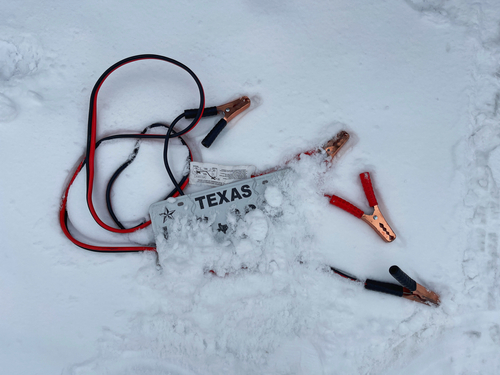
column 410, row 289
column 331, row 148
column 234, row 108
column 229, row 110
column 376, row 220
column 334, row 145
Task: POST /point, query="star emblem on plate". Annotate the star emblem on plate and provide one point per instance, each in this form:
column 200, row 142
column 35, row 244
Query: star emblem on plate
column 167, row 214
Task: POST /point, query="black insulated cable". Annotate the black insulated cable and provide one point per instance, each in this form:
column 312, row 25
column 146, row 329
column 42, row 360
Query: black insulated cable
column 129, row 161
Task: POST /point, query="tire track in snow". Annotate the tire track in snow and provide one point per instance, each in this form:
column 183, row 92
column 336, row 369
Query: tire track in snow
column 477, row 330
column 480, row 259
column 469, row 336
column 481, row 21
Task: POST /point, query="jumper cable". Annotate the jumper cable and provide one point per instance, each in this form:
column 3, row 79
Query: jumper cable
column 229, row 110
column 89, row 158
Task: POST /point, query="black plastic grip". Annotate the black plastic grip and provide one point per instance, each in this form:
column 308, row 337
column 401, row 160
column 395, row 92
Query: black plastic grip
column 379, row 286
column 214, row 133
column 403, row 278
column 209, row 111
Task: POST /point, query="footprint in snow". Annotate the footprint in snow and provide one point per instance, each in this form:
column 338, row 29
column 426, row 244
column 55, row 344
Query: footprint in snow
column 19, row 57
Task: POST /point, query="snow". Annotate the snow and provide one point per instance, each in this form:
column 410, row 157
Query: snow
column 414, row 82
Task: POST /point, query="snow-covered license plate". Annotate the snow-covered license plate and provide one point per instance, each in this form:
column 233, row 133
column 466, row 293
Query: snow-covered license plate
column 214, row 204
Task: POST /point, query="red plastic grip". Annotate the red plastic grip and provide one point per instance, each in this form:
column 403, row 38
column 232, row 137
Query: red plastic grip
column 346, row 206
column 368, row 188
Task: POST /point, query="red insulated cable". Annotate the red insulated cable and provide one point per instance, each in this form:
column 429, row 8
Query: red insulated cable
column 93, row 126
column 63, row 220
column 90, row 159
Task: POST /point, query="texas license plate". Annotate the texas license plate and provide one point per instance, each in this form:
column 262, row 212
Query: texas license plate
column 214, row 205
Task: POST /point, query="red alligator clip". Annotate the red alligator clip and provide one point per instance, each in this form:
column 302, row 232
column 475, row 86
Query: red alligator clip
column 376, row 220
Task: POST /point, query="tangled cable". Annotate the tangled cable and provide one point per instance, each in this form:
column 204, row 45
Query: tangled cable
column 92, row 144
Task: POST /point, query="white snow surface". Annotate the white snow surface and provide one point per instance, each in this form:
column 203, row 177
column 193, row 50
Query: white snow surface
column 415, row 82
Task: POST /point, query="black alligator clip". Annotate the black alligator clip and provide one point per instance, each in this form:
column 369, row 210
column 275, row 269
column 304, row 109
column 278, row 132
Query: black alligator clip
column 229, row 110
column 408, row 289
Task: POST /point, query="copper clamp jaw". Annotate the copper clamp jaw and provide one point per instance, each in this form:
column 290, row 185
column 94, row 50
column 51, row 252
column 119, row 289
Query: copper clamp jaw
column 234, row 108
column 422, row 294
column 229, row 110
column 378, row 223
column 333, row 146
column 413, row 290
column 375, row 220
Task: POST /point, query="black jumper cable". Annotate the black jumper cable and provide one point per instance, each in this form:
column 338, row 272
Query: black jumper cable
column 408, row 289
column 229, row 110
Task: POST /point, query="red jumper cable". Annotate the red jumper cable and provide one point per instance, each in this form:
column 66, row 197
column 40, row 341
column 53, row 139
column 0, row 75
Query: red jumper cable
column 230, row 110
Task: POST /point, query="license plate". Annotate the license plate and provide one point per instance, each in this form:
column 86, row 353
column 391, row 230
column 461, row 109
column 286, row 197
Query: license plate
column 214, row 204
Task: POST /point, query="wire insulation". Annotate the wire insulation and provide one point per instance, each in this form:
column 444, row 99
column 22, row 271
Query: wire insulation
column 89, row 159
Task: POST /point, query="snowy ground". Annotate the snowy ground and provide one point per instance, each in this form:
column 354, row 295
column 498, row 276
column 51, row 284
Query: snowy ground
column 415, row 82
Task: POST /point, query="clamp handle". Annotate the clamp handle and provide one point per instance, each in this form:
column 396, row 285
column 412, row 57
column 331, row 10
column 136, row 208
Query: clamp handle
column 403, row 278
column 380, row 286
column 368, row 188
column 214, row 133
column 346, row 206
